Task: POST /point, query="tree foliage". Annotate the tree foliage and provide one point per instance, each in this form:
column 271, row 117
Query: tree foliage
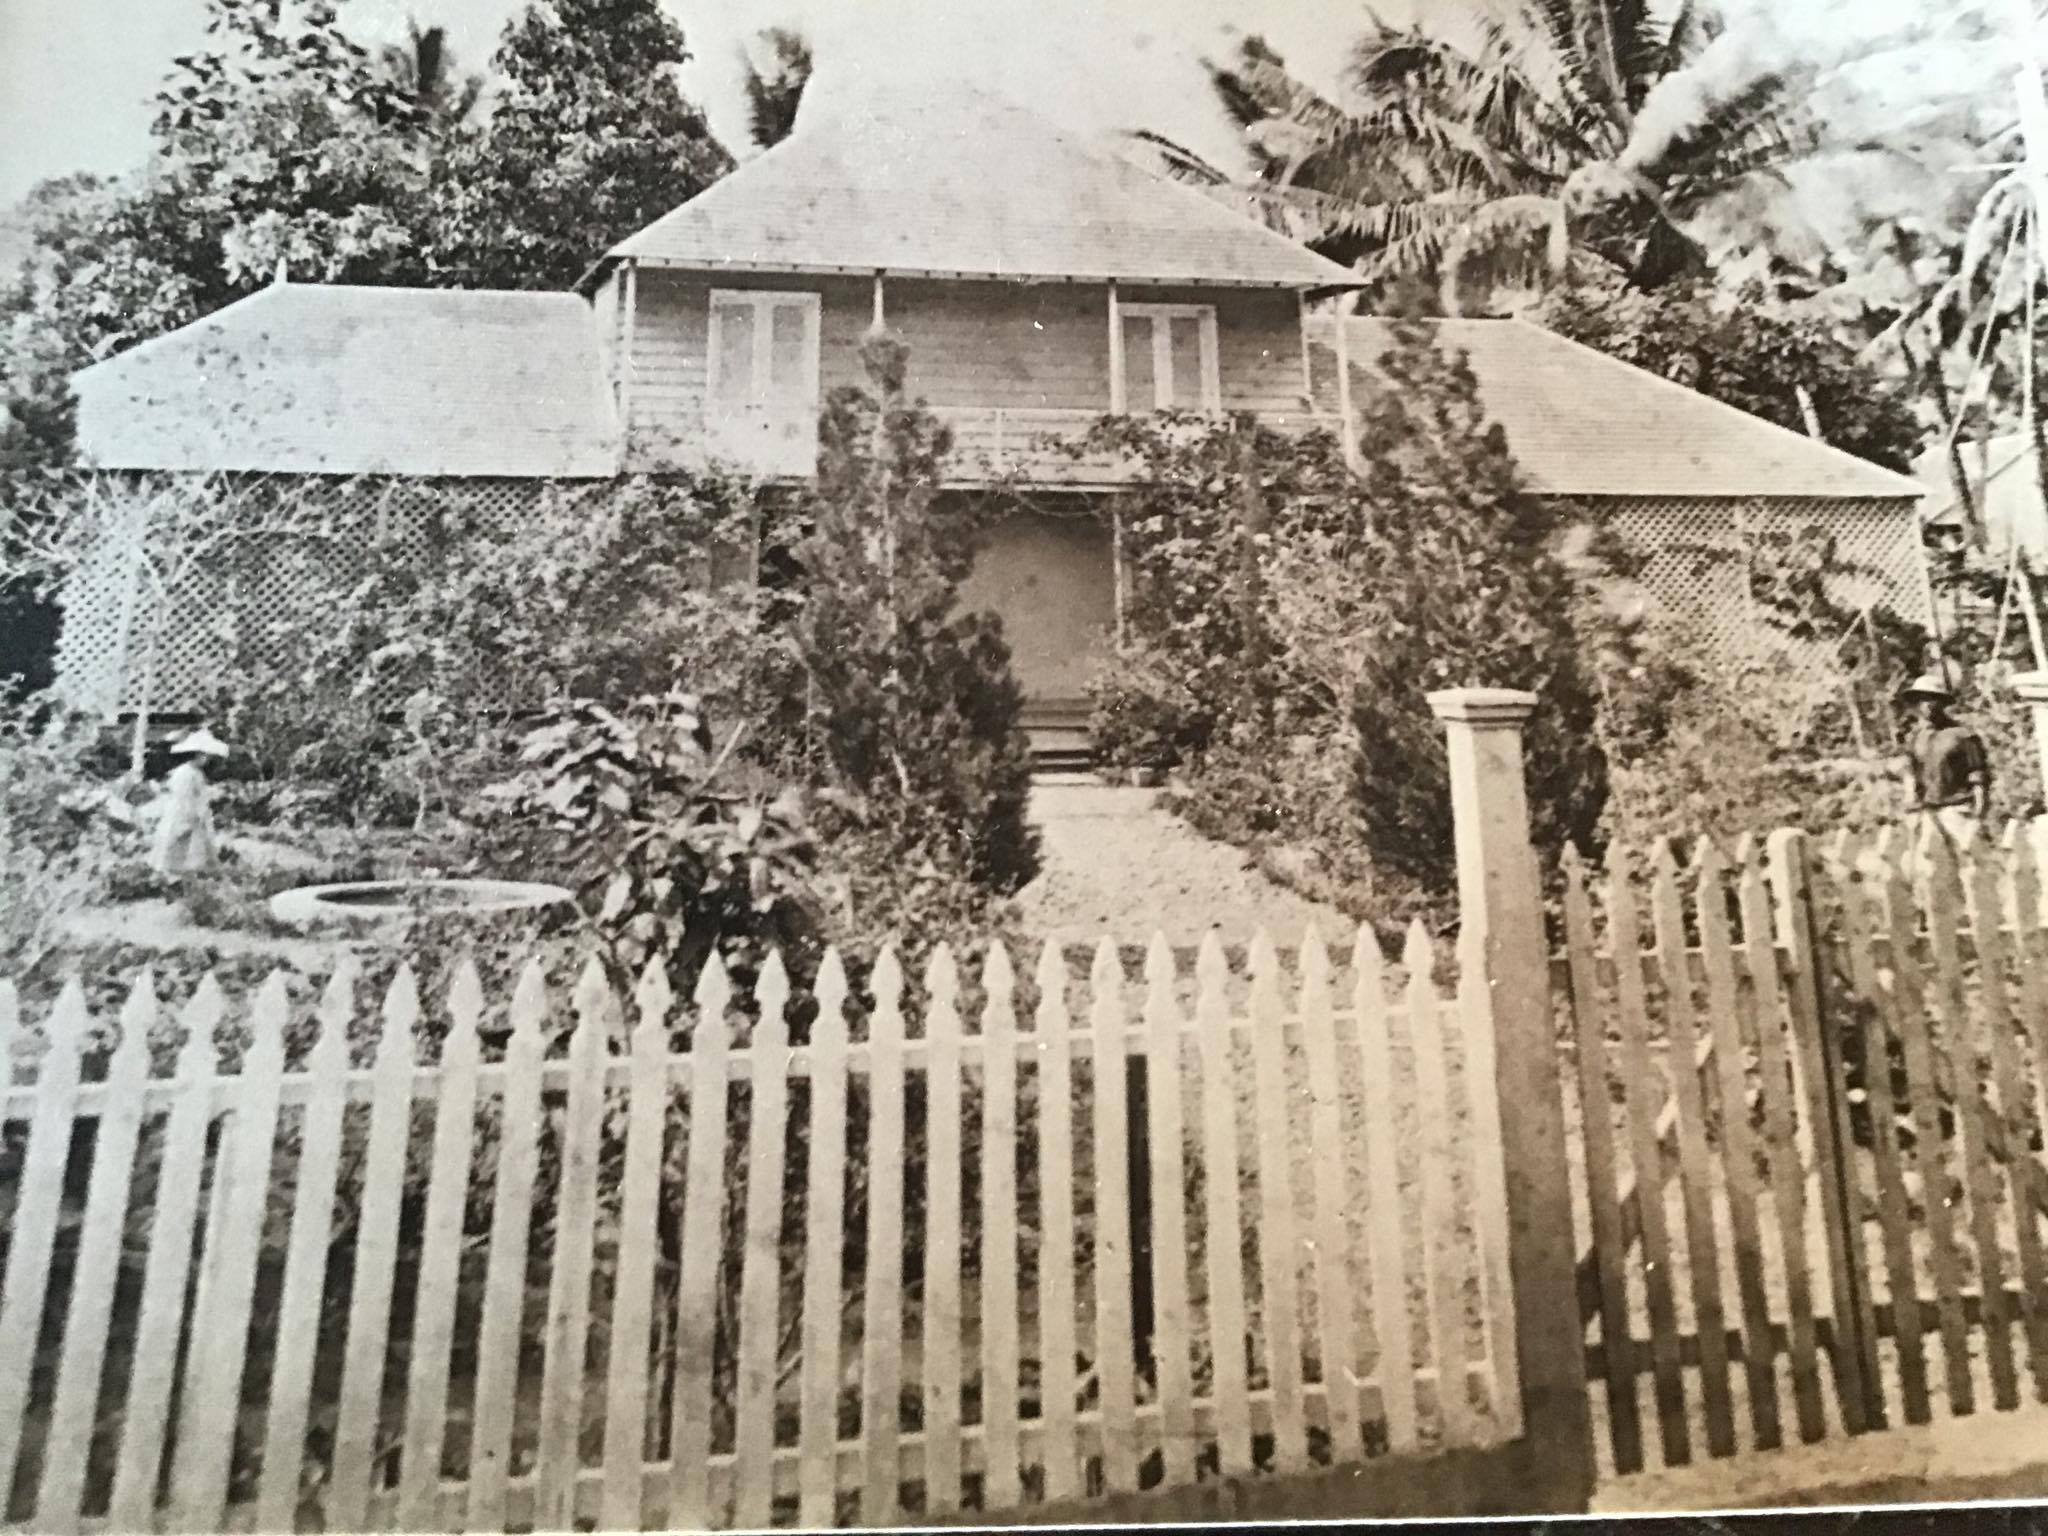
column 1773, row 361
column 1288, row 618
column 775, row 92
column 912, row 701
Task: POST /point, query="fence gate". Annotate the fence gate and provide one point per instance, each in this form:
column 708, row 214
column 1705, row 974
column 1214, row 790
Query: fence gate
column 1809, row 1089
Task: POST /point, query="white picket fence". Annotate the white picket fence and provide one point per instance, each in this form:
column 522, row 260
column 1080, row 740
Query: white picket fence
column 448, row 1277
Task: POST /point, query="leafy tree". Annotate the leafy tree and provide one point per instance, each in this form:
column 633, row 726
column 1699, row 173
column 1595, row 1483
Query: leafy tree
column 774, row 94
column 1493, row 151
column 914, row 708
column 590, row 138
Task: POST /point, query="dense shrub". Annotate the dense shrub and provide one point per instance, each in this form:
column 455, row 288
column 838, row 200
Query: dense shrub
column 1288, row 617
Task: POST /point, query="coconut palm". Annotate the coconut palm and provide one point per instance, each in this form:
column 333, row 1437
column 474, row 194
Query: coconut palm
column 1476, row 148
column 774, row 94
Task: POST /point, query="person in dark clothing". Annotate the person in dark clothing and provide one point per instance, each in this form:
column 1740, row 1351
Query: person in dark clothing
column 1951, row 770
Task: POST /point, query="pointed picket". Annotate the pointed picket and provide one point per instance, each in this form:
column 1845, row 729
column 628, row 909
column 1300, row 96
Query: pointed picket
column 1222, row 1237
column 305, row 1265
column 703, row 1252
column 227, row 1277
column 1337, row 1328
column 356, row 1433
column 761, row 1251
column 558, row 1458
column 1781, row 1130
column 881, row 1366
column 1646, row 1095
column 499, row 1343
column 1739, row 1149
column 1393, row 1333
column 440, row 1271
column 1056, row 1362
column 1173, row 1320
column 98, row 1268
column 1956, row 1047
column 1279, row 1247
column 1895, row 1227
column 1910, row 1019
column 33, row 1238
column 941, row 1301
column 626, row 1387
column 1111, row 1343
column 1681, row 1056
column 146, row 1416
column 824, row 1244
column 1002, row 1486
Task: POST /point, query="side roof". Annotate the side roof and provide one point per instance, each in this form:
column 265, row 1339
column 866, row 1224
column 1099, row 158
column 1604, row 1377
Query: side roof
column 305, row 378
column 1585, row 424
column 960, row 183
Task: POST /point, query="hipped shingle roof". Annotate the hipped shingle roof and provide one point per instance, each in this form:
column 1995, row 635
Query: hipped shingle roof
column 961, row 183
column 305, row 378
column 1581, row 423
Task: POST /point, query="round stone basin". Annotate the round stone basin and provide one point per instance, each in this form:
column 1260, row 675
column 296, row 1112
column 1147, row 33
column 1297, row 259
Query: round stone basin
column 380, row 900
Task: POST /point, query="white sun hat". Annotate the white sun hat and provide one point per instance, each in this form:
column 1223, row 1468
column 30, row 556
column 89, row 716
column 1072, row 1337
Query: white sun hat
column 201, row 741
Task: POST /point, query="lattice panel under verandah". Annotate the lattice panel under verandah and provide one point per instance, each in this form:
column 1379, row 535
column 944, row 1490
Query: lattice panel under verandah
column 219, row 626
column 1698, row 552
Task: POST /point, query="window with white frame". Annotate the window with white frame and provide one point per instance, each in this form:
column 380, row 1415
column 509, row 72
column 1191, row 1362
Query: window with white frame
column 1169, row 357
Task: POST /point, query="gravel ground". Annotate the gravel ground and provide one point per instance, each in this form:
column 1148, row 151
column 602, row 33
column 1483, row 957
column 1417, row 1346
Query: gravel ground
column 1117, row 864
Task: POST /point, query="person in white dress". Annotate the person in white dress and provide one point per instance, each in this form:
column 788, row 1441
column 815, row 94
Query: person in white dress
column 184, row 830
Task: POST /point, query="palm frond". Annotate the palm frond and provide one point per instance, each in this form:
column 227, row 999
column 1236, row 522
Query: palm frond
column 1180, row 162
column 1761, row 120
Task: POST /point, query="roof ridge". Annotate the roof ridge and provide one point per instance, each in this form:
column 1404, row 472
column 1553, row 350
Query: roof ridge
column 177, row 332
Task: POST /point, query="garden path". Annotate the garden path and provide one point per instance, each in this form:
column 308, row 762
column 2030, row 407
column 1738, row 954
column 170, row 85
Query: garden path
column 1116, row 863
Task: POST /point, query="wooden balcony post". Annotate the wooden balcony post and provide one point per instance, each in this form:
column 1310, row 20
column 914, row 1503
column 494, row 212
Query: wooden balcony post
column 1500, row 909
column 629, row 300
column 1346, row 426
column 880, row 320
column 1116, row 354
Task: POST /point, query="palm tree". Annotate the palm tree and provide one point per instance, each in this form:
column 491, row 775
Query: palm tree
column 423, row 70
column 773, row 95
column 1478, row 148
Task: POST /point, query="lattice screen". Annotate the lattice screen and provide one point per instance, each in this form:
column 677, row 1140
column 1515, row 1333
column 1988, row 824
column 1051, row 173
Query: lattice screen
column 215, row 629
column 1697, row 573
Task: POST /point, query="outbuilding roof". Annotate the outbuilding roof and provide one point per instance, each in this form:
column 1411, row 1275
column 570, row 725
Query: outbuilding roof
column 957, row 182
column 304, row 378
column 1581, row 423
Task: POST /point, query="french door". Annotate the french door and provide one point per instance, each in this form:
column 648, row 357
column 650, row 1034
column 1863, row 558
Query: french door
column 1170, row 357
column 761, row 385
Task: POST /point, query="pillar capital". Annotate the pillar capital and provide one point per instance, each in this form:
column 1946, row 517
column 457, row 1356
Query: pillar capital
column 1491, row 706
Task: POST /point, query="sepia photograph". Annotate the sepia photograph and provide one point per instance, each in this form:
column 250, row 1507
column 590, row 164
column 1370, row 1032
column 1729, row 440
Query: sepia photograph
column 852, row 763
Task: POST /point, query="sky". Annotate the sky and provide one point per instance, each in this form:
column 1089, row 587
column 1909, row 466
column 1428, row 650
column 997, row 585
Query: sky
column 76, row 76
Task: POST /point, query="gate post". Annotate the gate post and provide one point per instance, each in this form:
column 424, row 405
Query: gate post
column 1500, row 896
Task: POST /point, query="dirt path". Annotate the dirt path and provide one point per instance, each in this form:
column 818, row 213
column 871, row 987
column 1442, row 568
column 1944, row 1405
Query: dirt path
column 1116, row 864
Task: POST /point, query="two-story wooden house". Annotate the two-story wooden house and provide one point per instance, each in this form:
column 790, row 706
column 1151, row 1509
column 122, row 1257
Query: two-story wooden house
column 1039, row 279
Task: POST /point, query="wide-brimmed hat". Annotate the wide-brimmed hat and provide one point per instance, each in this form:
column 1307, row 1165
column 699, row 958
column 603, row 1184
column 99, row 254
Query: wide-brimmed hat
column 201, row 741
column 1927, row 686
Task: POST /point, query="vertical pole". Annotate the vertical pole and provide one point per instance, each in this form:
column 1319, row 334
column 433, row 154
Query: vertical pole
column 1308, row 371
column 1347, row 428
column 880, row 320
column 629, row 298
column 1500, row 893
column 1116, row 354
